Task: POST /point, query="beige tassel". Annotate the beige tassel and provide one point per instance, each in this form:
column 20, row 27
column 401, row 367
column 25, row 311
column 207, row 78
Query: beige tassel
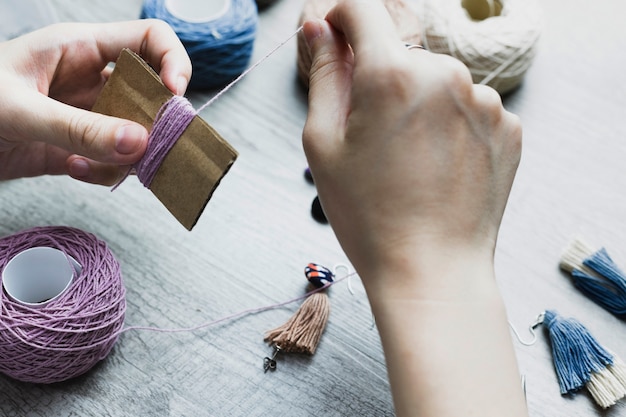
column 303, row 331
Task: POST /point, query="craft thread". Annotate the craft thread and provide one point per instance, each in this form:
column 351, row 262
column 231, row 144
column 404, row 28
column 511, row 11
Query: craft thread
column 170, row 123
column 303, row 331
column 596, row 275
column 219, row 47
column 406, row 21
column 72, row 333
column 172, row 119
column 68, row 336
column 580, row 361
column 498, row 50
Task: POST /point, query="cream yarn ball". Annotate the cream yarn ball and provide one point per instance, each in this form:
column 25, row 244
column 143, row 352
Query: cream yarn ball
column 496, row 39
column 404, row 17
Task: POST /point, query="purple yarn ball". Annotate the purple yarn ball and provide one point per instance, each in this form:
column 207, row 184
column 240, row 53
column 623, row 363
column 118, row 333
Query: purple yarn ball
column 68, row 336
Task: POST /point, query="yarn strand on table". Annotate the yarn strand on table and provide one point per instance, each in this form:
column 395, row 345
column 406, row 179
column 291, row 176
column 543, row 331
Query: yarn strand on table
column 67, row 336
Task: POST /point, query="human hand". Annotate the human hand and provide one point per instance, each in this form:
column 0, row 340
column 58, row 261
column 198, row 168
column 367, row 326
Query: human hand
column 413, row 165
column 409, row 157
column 51, row 78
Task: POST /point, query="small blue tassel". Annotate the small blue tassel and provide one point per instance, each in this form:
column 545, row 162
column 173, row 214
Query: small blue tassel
column 597, row 276
column 575, row 352
column 580, row 361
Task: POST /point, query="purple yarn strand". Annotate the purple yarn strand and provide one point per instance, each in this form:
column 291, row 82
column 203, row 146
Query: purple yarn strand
column 170, row 123
column 72, row 333
column 237, row 315
column 68, row 336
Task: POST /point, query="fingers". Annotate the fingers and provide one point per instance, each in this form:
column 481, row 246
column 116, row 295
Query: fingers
column 367, row 26
column 153, row 39
column 156, row 42
column 68, row 62
column 34, row 159
column 95, row 45
column 38, row 158
column 94, row 172
column 329, row 86
column 95, row 136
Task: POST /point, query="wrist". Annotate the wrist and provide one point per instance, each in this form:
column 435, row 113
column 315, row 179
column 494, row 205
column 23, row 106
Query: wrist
column 444, row 332
column 446, row 273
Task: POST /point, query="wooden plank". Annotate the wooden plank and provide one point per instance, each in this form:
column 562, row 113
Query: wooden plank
column 251, row 245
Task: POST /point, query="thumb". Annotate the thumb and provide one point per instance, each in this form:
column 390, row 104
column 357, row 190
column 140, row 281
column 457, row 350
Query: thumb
column 93, row 135
column 330, row 83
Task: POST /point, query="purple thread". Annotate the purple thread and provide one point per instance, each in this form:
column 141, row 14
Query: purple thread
column 246, row 72
column 170, row 123
column 237, row 315
column 68, row 336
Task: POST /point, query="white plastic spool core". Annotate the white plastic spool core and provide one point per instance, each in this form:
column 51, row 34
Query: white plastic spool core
column 38, row 275
column 197, row 11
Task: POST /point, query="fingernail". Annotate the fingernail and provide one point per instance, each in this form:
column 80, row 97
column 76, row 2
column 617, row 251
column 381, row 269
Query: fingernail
column 130, row 138
column 312, row 30
column 79, row 168
column 181, row 85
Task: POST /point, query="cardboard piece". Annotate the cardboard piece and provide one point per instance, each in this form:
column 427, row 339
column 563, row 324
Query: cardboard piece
column 198, row 161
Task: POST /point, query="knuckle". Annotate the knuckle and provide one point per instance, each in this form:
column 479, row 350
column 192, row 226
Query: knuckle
column 81, row 132
column 161, row 25
column 324, row 64
column 516, row 132
column 489, row 97
column 489, row 103
column 393, row 79
column 454, row 77
column 311, row 134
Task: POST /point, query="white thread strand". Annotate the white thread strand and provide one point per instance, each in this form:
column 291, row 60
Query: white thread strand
column 246, row 72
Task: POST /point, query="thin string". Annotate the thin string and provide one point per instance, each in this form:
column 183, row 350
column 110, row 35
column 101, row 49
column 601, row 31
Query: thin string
column 172, row 119
column 234, row 316
column 220, row 47
column 243, row 74
column 69, row 335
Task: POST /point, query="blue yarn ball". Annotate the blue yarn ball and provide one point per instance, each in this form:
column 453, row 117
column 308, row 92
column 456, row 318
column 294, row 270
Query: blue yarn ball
column 220, row 49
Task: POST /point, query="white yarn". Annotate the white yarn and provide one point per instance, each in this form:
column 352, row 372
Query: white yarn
column 608, row 385
column 573, row 256
column 497, row 50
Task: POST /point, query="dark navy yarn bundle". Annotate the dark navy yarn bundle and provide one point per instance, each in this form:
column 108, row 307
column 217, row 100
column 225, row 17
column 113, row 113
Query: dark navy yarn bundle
column 219, row 49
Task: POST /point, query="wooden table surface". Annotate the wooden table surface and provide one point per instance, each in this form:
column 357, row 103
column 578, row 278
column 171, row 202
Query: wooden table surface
column 255, row 237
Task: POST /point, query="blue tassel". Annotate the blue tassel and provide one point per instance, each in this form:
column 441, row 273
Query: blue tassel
column 575, row 352
column 597, row 276
column 580, row 361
